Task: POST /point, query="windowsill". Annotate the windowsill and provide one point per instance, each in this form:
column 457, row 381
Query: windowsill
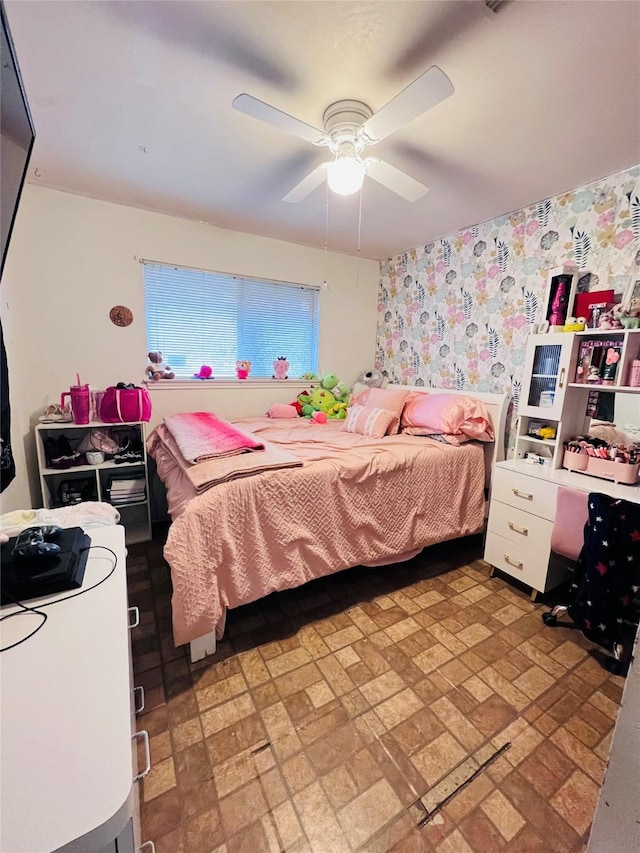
column 228, row 382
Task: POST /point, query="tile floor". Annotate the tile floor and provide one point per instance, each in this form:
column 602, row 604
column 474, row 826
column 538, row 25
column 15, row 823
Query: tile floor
column 330, row 714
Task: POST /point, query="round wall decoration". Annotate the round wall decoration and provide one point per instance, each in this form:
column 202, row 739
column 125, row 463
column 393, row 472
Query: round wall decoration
column 120, row 315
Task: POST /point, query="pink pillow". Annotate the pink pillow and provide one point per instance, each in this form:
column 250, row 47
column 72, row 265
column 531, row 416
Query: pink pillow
column 391, row 399
column 369, row 421
column 282, row 410
column 452, row 415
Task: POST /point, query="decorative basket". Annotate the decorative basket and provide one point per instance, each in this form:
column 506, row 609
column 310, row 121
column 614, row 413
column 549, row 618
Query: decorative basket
column 575, row 461
column 605, row 469
column 619, row 472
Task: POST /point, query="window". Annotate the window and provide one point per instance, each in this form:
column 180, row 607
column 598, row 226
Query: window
column 196, row 317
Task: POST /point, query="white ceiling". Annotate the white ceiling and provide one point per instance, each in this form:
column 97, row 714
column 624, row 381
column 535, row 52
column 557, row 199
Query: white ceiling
column 132, row 104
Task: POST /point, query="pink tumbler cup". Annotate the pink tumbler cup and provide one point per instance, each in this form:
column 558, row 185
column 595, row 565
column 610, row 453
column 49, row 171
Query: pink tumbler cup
column 80, row 402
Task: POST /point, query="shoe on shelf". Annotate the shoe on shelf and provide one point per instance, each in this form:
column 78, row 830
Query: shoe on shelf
column 60, row 454
column 129, row 456
column 56, row 414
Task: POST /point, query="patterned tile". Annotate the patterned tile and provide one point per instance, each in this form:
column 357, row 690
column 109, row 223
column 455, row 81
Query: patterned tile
column 502, row 814
column 328, row 713
column 370, row 811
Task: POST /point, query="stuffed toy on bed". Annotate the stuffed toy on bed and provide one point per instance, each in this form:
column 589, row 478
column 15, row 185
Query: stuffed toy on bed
column 317, row 400
column 369, row 379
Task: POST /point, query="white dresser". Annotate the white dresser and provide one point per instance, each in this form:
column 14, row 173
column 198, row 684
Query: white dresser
column 521, row 517
column 68, row 753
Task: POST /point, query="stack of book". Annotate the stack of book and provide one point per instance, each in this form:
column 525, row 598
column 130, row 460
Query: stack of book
column 127, row 490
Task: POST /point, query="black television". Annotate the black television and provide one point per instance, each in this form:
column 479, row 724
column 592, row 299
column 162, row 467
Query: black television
column 17, row 135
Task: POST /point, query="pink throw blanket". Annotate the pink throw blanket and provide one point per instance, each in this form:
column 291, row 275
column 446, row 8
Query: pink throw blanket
column 203, row 435
column 212, row 472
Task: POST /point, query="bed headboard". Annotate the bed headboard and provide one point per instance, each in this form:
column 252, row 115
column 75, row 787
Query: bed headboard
column 496, row 405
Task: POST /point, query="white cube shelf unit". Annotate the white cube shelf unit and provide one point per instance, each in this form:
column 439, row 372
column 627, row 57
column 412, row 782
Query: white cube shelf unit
column 76, row 483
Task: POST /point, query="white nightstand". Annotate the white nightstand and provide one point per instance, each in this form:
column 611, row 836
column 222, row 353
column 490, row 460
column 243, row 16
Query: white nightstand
column 521, row 517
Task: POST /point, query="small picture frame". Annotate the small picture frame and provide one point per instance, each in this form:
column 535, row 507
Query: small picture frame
column 632, row 290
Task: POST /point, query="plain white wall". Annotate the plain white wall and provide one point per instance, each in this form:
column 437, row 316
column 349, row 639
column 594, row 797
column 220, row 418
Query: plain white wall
column 71, row 259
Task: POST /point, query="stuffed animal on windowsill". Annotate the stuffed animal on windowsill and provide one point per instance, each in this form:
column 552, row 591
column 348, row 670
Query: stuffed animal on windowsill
column 280, row 368
column 157, row 369
column 242, row 369
column 205, row 372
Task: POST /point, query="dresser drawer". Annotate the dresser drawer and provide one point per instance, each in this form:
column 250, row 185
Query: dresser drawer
column 517, row 560
column 527, row 493
column 520, row 527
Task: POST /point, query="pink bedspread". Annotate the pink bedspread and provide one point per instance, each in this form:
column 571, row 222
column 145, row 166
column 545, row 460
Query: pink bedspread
column 355, row 500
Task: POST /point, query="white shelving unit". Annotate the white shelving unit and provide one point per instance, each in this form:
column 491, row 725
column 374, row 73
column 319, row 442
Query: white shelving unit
column 523, row 501
column 95, row 480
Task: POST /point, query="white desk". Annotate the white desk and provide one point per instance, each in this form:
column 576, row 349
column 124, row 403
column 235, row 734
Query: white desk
column 66, row 758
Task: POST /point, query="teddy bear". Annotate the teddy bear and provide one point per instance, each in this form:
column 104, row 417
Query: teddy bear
column 157, row 369
column 369, row 379
column 280, row 368
column 610, row 320
column 242, row 369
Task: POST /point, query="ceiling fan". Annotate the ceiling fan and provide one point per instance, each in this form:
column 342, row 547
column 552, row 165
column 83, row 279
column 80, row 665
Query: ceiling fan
column 351, row 126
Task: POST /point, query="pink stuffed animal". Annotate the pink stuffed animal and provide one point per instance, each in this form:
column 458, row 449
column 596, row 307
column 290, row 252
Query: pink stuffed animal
column 205, row 372
column 242, row 369
column 282, row 410
column 280, row 368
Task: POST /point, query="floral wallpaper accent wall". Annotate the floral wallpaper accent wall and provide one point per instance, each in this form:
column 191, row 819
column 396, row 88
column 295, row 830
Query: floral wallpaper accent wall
column 457, row 312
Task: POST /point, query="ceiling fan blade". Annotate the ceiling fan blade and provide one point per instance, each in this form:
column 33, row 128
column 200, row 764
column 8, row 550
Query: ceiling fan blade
column 307, row 185
column 395, row 180
column 425, row 92
column 264, row 112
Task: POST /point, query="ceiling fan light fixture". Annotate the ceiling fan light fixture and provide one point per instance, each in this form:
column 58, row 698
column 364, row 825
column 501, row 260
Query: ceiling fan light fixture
column 345, row 175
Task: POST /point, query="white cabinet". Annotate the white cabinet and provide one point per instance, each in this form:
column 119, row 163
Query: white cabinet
column 68, row 760
column 523, row 500
column 546, row 372
column 64, row 483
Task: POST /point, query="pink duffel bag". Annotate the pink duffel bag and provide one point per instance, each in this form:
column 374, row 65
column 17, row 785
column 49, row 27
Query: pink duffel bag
column 125, row 404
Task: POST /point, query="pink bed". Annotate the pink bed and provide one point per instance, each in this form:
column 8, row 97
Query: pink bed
column 355, row 500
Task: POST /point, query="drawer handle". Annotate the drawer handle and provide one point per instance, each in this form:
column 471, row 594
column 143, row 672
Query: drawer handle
column 517, row 529
column 149, row 844
column 144, row 734
column 138, row 708
column 515, row 563
column 136, row 617
column 526, row 495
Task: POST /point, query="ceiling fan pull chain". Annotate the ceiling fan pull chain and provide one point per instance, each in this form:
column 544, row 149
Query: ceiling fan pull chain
column 326, row 243
column 359, row 233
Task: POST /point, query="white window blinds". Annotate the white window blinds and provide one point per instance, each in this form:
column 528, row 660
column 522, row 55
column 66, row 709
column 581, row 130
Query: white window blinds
column 196, row 317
